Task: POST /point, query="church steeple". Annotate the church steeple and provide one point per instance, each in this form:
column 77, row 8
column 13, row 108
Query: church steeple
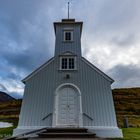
column 68, row 37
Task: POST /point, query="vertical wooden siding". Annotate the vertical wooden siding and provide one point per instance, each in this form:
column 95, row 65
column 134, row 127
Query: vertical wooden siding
column 95, row 89
column 74, row 46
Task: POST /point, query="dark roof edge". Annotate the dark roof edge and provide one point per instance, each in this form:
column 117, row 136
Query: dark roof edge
column 37, row 70
column 60, row 23
column 98, row 70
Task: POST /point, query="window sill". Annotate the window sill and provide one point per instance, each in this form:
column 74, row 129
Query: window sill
column 67, row 41
column 67, row 70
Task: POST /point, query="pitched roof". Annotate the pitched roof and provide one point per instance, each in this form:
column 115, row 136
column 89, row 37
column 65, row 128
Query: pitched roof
column 38, row 69
column 50, row 60
column 98, row 70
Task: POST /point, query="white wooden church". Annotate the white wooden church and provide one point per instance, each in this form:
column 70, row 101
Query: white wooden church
column 68, row 91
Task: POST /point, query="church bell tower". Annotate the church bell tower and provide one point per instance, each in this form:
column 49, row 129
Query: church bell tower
column 68, row 37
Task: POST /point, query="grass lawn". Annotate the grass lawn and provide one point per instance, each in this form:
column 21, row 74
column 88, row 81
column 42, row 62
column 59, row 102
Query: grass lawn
column 6, row 132
column 130, row 134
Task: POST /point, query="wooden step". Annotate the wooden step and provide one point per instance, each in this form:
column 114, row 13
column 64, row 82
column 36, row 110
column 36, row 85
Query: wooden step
column 67, row 130
column 66, row 135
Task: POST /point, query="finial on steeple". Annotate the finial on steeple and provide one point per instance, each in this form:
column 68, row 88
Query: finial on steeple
column 68, row 9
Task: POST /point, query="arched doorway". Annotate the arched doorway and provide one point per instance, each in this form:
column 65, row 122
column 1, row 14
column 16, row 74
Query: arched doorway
column 68, row 109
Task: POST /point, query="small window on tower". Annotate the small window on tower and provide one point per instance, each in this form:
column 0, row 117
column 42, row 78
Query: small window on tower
column 68, row 35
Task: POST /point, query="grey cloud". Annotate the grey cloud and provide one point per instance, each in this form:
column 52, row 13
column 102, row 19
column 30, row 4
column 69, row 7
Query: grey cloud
column 3, row 88
column 27, row 36
column 13, row 94
column 12, row 75
column 24, row 42
column 111, row 20
column 117, row 15
column 25, row 60
column 16, row 95
column 125, row 76
column 25, row 39
column 123, row 40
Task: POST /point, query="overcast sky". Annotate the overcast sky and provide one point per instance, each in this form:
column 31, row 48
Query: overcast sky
column 110, row 38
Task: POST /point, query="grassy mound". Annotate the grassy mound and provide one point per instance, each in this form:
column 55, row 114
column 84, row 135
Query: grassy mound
column 127, row 105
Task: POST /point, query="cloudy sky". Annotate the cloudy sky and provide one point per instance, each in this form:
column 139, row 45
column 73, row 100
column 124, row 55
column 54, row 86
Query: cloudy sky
column 110, row 38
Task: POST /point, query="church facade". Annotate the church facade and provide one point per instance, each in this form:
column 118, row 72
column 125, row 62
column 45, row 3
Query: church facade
column 68, row 91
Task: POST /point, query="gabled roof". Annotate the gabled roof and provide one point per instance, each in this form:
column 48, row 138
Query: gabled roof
column 37, row 70
column 98, row 70
column 50, row 60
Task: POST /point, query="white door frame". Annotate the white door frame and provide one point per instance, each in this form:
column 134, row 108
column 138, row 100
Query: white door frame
column 54, row 121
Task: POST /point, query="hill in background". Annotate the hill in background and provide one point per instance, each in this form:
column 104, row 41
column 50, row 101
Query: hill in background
column 9, row 111
column 127, row 104
column 4, row 97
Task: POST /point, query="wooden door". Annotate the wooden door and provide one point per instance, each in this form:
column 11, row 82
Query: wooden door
column 68, row 107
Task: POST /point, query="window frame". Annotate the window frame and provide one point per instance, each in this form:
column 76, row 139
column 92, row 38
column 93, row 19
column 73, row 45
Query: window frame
column 68, row 57
column 64, row 35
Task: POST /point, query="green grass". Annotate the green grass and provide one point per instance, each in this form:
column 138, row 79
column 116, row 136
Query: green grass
column 130, row 134
column 6, row 132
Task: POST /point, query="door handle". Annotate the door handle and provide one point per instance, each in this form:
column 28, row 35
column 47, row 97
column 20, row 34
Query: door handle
column 68, row 107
